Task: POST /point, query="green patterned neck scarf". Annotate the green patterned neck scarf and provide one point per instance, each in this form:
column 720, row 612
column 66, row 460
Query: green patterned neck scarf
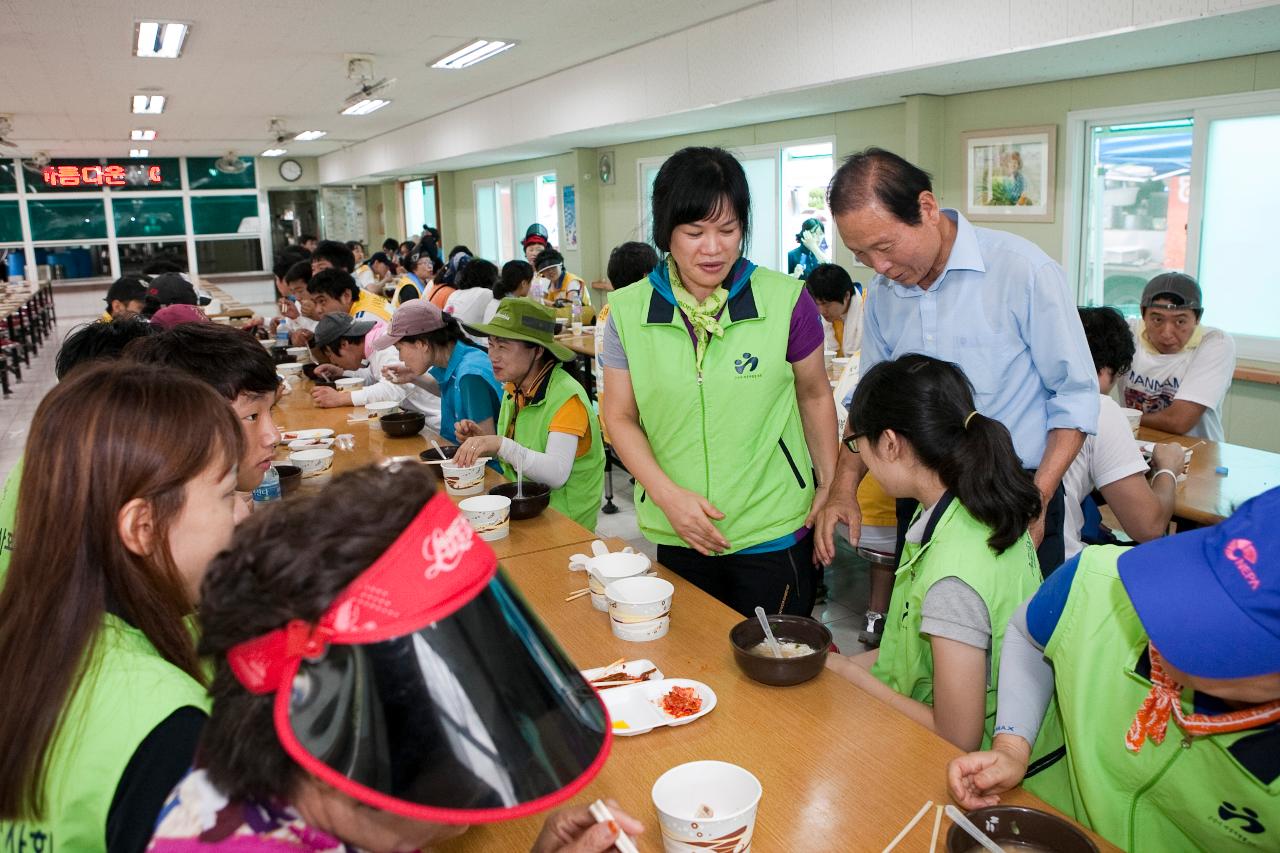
column 701, row 317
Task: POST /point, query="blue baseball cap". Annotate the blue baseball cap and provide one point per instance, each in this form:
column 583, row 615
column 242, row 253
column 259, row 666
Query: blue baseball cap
column 1210, row 598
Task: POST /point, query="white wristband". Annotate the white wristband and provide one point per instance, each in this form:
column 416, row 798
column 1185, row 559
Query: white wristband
column 1172, row 476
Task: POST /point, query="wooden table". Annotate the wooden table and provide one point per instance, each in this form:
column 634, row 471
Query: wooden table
column 840, row 770
column 1207, row 497
column 295, row 411
column 583, row 344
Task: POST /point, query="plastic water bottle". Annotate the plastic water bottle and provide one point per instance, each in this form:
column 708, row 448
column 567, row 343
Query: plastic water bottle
column 282, row 335
column 576, row 311
column 269, row 489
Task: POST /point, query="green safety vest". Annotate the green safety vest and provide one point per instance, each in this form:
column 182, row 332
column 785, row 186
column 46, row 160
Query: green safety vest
column 8, row 517
column 127, row 690
column 579, row 497
column 731, row 433
column 957, row 548
column 1187, row 793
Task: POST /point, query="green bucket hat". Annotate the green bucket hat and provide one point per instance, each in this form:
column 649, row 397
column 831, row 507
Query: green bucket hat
column 522, row 319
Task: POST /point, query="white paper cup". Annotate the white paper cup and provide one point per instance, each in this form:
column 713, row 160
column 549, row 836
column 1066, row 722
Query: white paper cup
column 639, row 599
column 348, row 383
column 683, row 795
column 489, row 515
column 577, row 328
column 312, row 462
column 289, row 369
column 1134, row 416
column 463, row 481
column 641, row 632
column 377, row 410
column 607, row 568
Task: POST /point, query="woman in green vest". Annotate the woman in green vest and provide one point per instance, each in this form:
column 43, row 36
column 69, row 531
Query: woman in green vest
column 546, row 424
column 1164, row 662
column 128, row 491
column 719, row 403
column 967, row 562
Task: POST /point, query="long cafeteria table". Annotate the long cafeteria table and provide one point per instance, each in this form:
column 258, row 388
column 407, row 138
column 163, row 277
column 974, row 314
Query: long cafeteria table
column 1206, row 496
column 840, row 770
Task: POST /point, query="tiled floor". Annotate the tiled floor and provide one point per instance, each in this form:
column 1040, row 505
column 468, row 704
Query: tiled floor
column 846, row 579
column 17, row 409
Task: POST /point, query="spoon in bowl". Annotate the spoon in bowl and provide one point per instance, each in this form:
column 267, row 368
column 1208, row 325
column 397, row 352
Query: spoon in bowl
column 768, row 632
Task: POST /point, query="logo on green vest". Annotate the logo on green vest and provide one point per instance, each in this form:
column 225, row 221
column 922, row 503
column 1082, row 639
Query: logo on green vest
column 1248, row 817
column 748, row 361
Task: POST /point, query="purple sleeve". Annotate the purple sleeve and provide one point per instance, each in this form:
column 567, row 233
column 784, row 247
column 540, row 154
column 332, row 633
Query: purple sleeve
column 806, row 329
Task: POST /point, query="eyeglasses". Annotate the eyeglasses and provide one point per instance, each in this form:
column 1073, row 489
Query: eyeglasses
column 851, row 441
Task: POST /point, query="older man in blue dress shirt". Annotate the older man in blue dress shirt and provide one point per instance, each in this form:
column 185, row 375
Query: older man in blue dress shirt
column 991, row 302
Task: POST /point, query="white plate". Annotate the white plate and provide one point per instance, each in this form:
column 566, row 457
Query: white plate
column 311, row 444
column 1146, row 448
column 296, row 434
column 637, row 709
column 631, row 667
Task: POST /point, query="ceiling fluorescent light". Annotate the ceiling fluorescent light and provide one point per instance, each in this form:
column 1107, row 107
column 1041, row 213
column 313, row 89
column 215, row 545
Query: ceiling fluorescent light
column 477, row 51
column 139, row 152
column 365, row 106
column 273, row 152
column 159, row 40
column 142, row 135
column 148, row 104
column 310, row 135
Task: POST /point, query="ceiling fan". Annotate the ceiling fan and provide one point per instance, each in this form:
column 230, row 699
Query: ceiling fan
column 360, row 67
column 278, row 133
column 6, row 127
column 230, row 164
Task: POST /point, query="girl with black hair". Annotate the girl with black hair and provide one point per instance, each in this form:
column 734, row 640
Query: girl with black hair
column 516, row 280
column 968, row 561
column 803, row 258
column 719, row 402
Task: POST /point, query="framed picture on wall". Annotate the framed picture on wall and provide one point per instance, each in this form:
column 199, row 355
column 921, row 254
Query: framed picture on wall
column 1008, row 174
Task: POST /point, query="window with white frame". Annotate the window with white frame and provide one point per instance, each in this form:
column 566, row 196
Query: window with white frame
column 788, row 185
column 420, row 205
column 506, row 207
column 1184, row 186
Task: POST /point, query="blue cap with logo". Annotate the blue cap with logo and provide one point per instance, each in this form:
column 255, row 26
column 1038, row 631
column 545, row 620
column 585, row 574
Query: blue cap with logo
column 1210, row 598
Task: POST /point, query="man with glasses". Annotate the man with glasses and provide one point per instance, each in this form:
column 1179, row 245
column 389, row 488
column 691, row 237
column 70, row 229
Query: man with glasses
column 992, row 303
column 556, row 284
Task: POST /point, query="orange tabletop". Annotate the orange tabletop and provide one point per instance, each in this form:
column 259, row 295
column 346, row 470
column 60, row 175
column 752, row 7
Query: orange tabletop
column 295, row 411
column 1207, row 497
column 840, row 770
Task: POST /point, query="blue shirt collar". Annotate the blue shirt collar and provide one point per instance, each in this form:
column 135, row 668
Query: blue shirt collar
column 455, row 361
column 966, row 254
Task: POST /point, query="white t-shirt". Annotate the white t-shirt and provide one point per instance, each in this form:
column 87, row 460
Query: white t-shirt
column 852, row 342
column 490, row 310
column 469, row 307
column 1198, row 374
column 300, row 323
column 377, row 389
column 1109, row 455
